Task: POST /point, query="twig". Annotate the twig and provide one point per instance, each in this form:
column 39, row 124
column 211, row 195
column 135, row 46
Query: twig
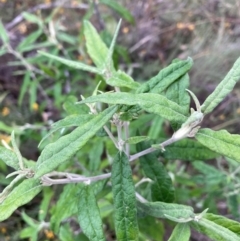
column 71, row 178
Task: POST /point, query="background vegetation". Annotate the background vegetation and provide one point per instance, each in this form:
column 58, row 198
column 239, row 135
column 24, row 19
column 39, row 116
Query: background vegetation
column 36, row 91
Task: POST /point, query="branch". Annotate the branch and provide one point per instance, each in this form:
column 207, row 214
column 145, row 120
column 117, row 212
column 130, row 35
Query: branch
column 70, row 178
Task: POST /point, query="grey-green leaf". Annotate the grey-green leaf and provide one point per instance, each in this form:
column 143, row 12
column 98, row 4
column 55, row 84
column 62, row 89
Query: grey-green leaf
column 21, row 194
column 66, row 206
column 3, row 33
column 223, row 89
column 65, row 147
column 71, row 63
column 177, row 92
column 162, row 187
column 96, row 48
column 230, row 224
column 180, row 233
column 136, row 139
column 69, row 121
column 125, row 215
column 161, row 209
column 121, row 79
column 9, row 157
column 214, row 231
column 153, row 103
column 89, row 215
column 166, row 77
column 221, row 142
column 188, row 150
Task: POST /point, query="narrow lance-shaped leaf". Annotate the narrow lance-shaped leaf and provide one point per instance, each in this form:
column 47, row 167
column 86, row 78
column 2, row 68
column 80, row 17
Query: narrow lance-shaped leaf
column 162, row 210
column 214, row 231
column 71, row 63
column 69, row 121
column 21, row 194
column 180, row 233
column 223, row 89
column 108, row 60
column 121, row 79
column 3, row 33
column 153, row 103
column 188, row 150
column 9, row 157
column 221, row 142
column 65, row 147
column 162, row 188
column 89, row 215
column 177, row 92
column 166, row 77
column 96, row 48
column 230, row 224
column 66, row 206
column 125, row 215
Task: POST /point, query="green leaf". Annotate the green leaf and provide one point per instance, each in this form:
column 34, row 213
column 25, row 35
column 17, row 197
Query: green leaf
column 177, row 92
column 109, row 62
column 65, row 147
column 223, row 89
column 121, row 79
column 32, row 18
column 151, row 228
column 3, row 33
column 29, row 232
column 89, row 215
column 70, row 106
column 162, row 187
column 156, row 127
column 24, row 87
column 43, row 209
column 21, row 194
column 161, row 210
column 136, row 139
column 230, row 224
column 125, row 215
column 95, row 154
column 180, row 233
column 66, row 206
column 188, row 150
column 166, row 77
column 9, row 157
column 71, row 63
column 212, row 176
column 221, row 142
column 214, row 231
column 28, row 220
column 153, row 103
column 69, row 121
column 96, row 48
column 31, row 38
column 124, row 13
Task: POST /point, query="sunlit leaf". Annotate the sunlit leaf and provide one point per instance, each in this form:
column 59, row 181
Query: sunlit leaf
column 71, row 63
column 180, row 233
column 65, row 147
column 223, row 89
column 21, row 194
column 166, row 77
column 153, row 103
column 221, row 142
column 214, row 231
